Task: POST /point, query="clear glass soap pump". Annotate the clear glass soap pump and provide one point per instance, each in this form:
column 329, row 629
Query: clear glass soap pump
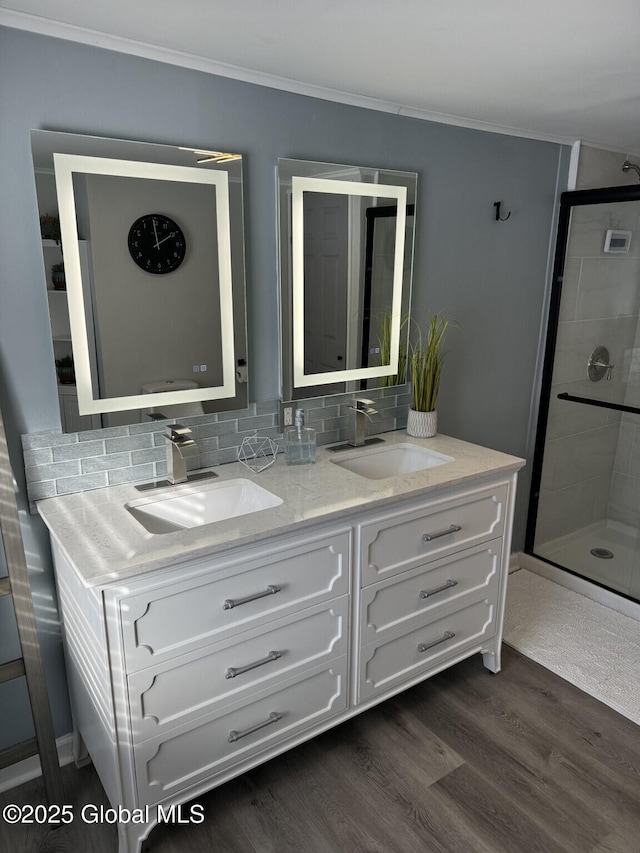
column 300, row 442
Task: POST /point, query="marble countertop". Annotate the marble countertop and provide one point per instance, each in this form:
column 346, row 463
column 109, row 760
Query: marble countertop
column 107, row 544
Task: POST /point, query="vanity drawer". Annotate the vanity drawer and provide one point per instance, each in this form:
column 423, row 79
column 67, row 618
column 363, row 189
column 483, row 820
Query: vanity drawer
column 190, row 754
column 191, row 686
column 182, row 616
column 405, row 540
column 410, row 655
column 445, row 585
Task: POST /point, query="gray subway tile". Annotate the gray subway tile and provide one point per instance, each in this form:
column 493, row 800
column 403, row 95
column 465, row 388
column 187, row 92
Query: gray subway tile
column 232, row 440
column 43, row 489
column 208, row 445
column 218, row 457
column 37, row 473
column 129, row 442
column 329, row 437
column 41, row 456
column 384, row 425
column 321, row 413
column 147, row 426
column 83, row 483
column 78, row 450
column 143, row 457
column 250, row 411
column 33, row 441
column 259, row 422
column 101, row 434
column 130, row 475
column 93, row 464
column 220, row 428
column 334, row 424
column 385, row 403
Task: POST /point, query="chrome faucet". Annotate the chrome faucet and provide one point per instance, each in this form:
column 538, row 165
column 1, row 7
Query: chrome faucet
column 180, row 446
column 359, row 410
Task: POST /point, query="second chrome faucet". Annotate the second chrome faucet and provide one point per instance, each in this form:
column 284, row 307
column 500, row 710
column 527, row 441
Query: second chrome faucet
column 360, row 410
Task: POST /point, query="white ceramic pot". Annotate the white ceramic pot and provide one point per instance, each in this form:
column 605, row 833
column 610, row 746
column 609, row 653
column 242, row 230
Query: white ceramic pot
column 422, row 424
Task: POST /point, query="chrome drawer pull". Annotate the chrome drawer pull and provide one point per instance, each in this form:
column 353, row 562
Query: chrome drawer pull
column 427, row 537
column 273, row 718
column 232, row 671
column 448, row 635
column 446, row 585
column 229, row 603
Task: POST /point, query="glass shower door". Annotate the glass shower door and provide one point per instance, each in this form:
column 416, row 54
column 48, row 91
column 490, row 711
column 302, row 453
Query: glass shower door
column 585, row 506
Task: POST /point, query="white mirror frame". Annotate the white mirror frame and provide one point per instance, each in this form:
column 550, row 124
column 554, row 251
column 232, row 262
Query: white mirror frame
column 300, row 185
column 65, row 165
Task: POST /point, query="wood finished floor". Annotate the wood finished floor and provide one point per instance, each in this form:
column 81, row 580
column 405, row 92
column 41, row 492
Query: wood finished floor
column 467, row 762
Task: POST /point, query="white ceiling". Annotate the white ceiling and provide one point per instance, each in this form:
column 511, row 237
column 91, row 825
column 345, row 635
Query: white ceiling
column 549, row 69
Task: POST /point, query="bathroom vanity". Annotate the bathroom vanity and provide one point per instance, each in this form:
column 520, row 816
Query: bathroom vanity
column 196, row 654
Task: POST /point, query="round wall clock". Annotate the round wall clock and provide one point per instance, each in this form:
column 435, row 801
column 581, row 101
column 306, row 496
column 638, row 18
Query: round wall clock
column 156, row 243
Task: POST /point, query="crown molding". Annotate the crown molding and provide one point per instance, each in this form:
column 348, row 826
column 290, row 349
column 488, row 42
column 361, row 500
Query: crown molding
column 82, row 35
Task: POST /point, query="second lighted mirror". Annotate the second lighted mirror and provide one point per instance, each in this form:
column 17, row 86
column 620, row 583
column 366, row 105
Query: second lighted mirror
column 346, row 254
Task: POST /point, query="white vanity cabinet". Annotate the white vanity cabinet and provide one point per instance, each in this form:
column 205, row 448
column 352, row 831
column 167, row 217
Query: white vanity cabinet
column 184, row 677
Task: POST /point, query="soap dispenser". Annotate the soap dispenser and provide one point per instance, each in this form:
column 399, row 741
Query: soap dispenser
column 300, row 442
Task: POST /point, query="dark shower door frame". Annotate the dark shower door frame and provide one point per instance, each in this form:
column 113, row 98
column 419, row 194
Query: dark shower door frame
column 568, row 200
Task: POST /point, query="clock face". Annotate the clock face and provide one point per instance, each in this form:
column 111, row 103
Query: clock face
column 156, row 243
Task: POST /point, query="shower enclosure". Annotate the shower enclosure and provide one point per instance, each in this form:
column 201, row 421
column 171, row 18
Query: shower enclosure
column 584, row 512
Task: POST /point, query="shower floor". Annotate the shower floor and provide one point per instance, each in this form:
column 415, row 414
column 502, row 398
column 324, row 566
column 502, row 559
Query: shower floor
column 574, row 552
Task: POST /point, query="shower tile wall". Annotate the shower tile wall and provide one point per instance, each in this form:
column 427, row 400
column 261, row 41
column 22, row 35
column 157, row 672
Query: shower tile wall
column 624, row 499
column 598, row 167
column 587, row 475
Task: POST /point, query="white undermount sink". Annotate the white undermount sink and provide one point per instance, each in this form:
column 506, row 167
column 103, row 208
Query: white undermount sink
column 215, row 502
column 382, row 462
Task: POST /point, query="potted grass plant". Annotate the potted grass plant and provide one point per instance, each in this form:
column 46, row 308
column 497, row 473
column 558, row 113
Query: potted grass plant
column 425, row 361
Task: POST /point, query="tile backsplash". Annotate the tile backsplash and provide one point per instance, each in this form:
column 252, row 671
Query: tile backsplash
column 59, row 463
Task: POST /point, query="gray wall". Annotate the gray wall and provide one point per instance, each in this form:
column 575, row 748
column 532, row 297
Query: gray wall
column 489, row 276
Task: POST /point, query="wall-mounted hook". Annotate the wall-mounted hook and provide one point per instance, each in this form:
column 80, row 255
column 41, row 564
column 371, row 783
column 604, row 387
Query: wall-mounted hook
column 497, row 205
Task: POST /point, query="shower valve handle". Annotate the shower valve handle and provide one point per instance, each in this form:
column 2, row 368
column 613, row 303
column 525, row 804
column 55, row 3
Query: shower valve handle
column 599, row 365
column 603, row 366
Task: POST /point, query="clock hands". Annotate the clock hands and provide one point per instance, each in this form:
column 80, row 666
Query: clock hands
column 168, row 237
column 155, row 234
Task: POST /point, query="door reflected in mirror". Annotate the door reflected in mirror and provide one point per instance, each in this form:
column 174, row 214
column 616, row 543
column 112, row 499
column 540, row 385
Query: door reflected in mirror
column 153, row 254
column 346, row 252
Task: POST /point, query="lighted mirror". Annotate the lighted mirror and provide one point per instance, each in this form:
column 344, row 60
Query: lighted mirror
column 151, row 315
column 346, row 238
